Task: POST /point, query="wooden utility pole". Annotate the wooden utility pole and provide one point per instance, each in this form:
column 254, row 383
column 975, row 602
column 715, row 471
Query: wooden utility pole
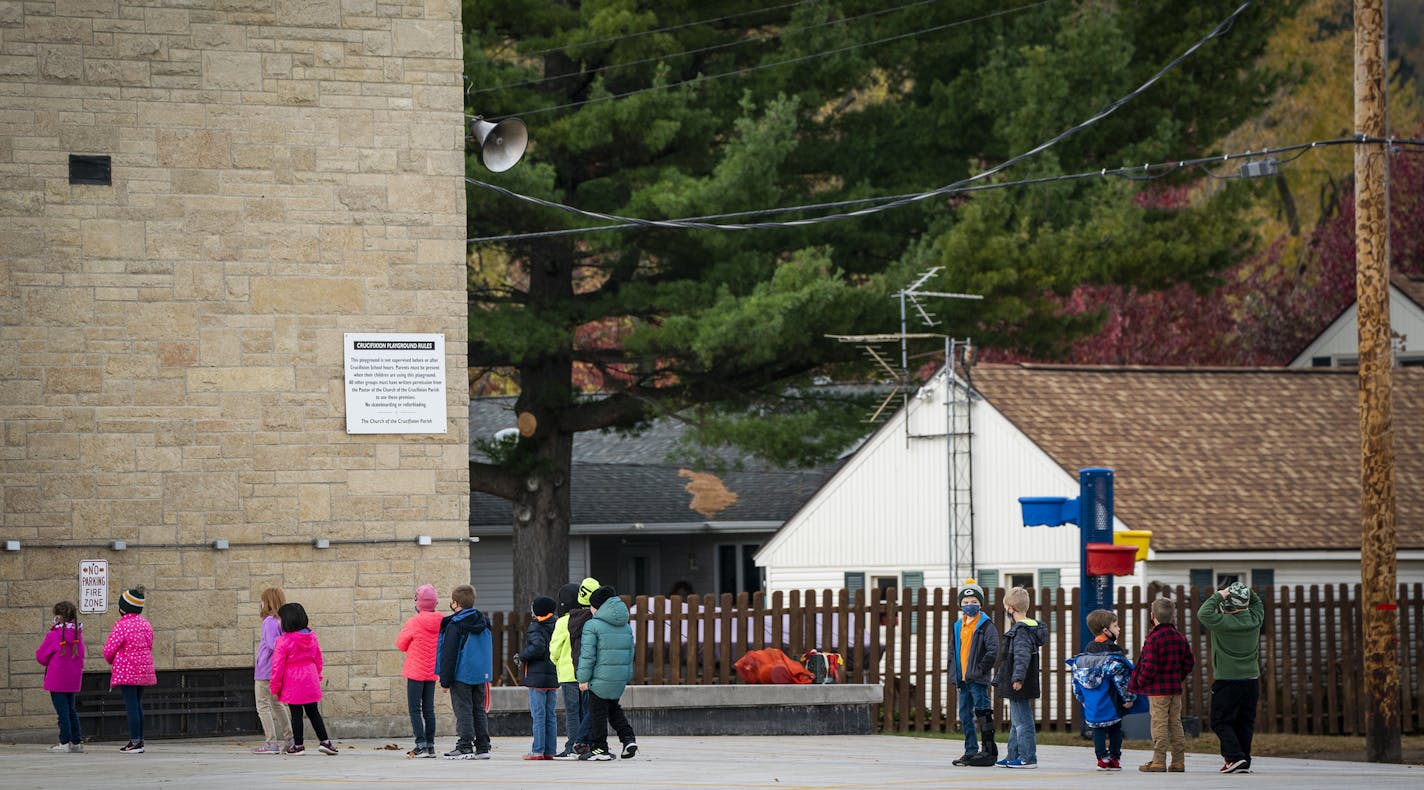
column 1378, row 600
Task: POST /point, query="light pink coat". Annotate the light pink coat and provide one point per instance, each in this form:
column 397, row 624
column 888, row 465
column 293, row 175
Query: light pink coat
column 129, row 649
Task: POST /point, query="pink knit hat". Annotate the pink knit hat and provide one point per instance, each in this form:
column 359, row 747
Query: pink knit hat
column 425, row 598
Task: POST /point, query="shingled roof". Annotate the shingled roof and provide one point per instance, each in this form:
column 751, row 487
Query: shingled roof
column 620, row 479
column 1220, row 459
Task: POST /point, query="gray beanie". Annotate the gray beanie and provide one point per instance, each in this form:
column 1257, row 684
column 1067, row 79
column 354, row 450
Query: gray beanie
column 971, row 587
column 1237, row 596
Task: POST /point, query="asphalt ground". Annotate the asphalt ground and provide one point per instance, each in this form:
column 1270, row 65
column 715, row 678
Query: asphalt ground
column 794, row 763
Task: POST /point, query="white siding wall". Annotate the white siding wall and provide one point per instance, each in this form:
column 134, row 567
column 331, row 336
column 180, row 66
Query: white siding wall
column 1342, row 336
column 492, row 571
column 1288, row 571
column 885, row 511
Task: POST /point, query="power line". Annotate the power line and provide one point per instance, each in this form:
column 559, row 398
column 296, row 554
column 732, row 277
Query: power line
column 1136, row 172
column 902, row 201
column 700, row 50
column 669, row 29
column 789, row 61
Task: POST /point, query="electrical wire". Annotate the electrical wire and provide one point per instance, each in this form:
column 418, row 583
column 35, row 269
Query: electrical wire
column 1145, row 172
column 700, row 50
column 906, row 200
column 812, row 56
column 669, row 29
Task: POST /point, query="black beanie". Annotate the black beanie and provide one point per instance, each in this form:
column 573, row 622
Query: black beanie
column 131, row 602
column 568, row 599
column 543, row 605
column 600, row 596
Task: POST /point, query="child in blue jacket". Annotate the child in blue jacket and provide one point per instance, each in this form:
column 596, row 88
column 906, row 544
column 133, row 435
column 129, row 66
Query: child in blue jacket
column 464, row 662
column 1100, row 677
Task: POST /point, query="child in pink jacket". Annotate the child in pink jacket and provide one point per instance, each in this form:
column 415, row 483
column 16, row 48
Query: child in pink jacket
column 129, row 649
column 296, row 676
column 417, row 640
column 62, row 655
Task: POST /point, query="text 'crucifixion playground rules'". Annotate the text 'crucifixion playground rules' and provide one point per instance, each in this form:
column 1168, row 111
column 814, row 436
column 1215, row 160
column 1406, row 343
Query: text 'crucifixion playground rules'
column 395, row 383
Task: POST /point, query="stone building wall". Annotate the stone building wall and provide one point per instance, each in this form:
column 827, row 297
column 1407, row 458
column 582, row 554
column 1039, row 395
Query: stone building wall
column 171, row 366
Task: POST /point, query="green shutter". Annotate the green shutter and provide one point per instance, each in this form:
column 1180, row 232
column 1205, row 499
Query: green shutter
column 914, row 580
column 1263, row 579
column 854, row 581
column 1204, row 579
column 988, row 579
column 1052, row 578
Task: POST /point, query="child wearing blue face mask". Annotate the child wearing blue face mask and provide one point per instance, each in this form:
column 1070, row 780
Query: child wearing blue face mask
column 976, row 650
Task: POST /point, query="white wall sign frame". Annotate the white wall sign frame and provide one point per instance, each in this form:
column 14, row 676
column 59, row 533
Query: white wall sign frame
column 93, row 586
column 395, row 383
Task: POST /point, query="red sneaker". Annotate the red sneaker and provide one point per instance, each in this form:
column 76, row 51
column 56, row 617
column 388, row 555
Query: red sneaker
column 1104, row 764
column 1113, row 764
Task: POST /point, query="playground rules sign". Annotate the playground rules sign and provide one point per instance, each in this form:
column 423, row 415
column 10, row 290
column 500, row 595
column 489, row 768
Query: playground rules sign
column 93, row 586
column 395, row 383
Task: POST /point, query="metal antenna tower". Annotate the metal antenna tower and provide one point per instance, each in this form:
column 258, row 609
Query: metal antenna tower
column 958, row 428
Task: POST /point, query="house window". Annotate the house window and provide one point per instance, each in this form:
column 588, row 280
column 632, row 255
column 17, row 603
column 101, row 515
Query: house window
column 1024, row 580
column 884, row 585
column 1263, row 578
column 736, row 568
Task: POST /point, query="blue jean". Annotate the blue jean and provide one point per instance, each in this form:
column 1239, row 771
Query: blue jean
column 133, row 706
column 1022, row 743
column 68, row 714
column 1107, row 741
column 972, row 697
column 420, row 699
column 575, row 706
column 544, row 710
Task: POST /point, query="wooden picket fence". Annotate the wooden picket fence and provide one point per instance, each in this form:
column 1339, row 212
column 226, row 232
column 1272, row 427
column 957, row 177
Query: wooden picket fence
column 1311, row 657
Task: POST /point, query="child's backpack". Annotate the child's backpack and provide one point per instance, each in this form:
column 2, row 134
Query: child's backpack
column 824, row 667
column 770, row 665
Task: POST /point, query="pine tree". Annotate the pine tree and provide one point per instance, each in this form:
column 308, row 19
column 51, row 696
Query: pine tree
column 808, row 102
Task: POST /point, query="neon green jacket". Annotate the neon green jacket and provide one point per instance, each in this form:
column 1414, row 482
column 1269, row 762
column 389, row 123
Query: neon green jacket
column 561, row 650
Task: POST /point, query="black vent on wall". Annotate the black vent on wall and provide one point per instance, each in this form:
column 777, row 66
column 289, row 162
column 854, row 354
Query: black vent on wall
column 87, row 169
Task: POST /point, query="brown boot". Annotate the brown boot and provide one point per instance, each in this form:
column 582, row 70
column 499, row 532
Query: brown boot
column 1179, row 763
column 1156, row 766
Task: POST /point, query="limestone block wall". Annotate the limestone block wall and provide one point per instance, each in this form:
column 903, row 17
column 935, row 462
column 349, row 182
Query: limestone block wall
column 171, row 367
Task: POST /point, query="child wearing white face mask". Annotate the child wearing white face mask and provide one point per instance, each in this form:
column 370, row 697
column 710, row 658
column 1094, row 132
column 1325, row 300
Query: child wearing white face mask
column 976, row 650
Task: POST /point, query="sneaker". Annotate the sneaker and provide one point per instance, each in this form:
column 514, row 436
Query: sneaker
column 428, row 753
column 601, row 755
column 1019, row 764
column 1113, row 764
column 1236, row 767
column 132, row 747
column 325, row 747
column 963, row 759
column 480, row 754
column 76, row 747
column 295, row 749
column 630, row 750
column 533, row 756
column 1104, row 764
column 1004, row 763
column 60, row 747
column 567, row 754
column 460, row 754
column 268, row 748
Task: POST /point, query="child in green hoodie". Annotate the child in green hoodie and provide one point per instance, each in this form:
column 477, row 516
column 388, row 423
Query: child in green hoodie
column 1234, row 616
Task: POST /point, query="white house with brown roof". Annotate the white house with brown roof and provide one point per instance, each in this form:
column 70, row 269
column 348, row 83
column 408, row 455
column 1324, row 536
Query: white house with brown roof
column 1249, row 473
column 1338, row 344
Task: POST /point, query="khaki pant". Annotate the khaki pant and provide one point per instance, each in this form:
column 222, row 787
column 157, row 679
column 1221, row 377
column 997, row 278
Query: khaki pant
column 1167, row 733
column 276, row 721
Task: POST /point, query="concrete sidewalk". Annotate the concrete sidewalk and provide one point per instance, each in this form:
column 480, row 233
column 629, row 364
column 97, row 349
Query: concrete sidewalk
column 799, row 763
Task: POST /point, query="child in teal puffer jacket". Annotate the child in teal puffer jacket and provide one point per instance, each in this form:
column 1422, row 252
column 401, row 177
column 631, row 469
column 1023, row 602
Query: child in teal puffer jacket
column 605, row 666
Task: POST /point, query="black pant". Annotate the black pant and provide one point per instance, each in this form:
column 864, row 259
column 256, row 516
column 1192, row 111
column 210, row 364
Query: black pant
column 1233, row 716
column 314, row 715
column 603, row 712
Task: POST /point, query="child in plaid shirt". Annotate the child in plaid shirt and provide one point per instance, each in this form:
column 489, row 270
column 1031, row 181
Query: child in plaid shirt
column 1165, row 661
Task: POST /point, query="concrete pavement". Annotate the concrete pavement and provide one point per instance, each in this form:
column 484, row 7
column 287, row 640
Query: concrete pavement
column 795, row 763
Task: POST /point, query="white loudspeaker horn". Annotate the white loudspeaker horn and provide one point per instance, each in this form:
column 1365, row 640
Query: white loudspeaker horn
column 501, row 144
